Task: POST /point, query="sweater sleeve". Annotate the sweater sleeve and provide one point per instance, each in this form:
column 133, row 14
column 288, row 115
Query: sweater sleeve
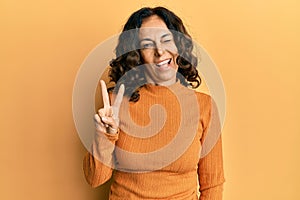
column 210, row 166
column 98, row 162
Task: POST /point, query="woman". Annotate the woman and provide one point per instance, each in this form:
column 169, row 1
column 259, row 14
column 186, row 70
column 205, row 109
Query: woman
column 156, row 156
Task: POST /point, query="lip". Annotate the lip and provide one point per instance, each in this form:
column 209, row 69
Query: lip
column 163, row 64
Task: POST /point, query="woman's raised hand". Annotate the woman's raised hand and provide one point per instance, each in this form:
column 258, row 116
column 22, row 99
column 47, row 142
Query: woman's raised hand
column 107, row 118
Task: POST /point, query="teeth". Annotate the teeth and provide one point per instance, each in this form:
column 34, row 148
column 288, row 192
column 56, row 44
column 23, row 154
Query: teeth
column 163, row 62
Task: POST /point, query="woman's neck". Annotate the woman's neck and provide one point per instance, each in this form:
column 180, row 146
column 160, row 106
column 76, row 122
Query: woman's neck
column 162, row 82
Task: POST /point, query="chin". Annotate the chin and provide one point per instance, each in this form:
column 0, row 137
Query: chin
column 167, row 77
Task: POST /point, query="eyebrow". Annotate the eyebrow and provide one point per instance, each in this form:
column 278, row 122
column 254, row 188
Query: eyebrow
column 165, row 35
column 148, row 39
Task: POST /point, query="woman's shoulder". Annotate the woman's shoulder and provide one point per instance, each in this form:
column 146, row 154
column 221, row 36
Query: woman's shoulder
column 204, row 97
column 205, row 102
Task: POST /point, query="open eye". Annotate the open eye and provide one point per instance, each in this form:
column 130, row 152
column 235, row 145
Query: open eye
column 147, row 45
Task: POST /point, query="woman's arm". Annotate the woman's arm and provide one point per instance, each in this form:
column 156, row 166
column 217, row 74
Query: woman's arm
column 98, row 163
column 210, row 166
column 211, row 174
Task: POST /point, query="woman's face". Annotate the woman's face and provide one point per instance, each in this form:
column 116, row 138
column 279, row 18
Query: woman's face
column 159, row 51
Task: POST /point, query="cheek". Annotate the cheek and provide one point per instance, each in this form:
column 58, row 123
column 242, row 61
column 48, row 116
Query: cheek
column 147, row 57
column 172, row 48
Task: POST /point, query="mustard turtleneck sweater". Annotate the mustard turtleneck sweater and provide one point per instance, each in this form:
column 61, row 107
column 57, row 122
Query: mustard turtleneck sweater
column 169, row 142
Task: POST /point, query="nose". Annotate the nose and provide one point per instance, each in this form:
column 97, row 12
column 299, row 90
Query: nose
column 159, row 51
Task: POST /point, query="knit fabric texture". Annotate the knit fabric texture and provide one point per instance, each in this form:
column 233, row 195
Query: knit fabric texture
column 180, row 170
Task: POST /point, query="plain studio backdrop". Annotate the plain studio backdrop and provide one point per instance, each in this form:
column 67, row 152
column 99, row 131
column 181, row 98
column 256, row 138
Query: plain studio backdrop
column 255, row 45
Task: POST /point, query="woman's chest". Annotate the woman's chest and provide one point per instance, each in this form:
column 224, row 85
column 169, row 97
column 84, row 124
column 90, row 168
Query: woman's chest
column 159, row 134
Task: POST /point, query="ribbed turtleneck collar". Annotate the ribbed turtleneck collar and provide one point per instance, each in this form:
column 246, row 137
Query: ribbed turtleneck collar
column 155, row 88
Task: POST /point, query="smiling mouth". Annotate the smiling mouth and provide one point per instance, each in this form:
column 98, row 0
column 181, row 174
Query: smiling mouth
column 164, row 63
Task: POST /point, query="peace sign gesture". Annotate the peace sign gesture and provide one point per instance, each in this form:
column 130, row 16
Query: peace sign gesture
column 107, row 119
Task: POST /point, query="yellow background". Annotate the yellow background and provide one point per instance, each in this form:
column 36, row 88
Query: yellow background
column 255, row 45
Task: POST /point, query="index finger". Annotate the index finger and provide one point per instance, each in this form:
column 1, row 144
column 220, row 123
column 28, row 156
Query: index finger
column 104, row 94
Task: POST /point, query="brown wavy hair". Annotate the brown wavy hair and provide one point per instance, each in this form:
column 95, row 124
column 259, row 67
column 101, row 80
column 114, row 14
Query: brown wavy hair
column 128, row 55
